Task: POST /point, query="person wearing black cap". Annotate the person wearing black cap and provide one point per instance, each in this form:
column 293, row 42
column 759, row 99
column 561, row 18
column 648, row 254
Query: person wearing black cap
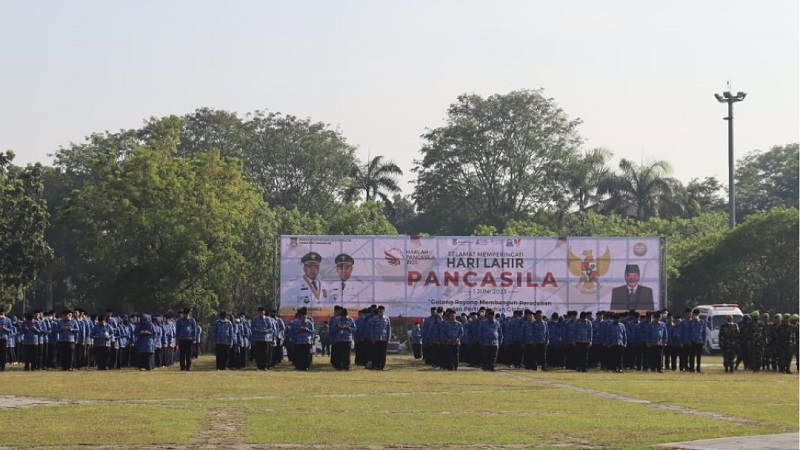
column 302, row 332
column 347, row 291
column 222, row 338
column 632, row 295
column 491, row 336
column 342, row 337
column 185, row 332
column 263, row 338
column 309, row 290
column 67, row 336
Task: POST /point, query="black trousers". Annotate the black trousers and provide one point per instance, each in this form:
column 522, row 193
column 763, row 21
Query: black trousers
column 535, row 356
column 301, row 356
column 185, row 353
column 581, row 356
column 145, row 360
column 101, row 356
column 655, row 353
column 615, row 357
column 222, row 351
column 340, row 355
column 379, row 354
column 3, row 343
column 695, row 355
column 489, row 356
column 66, row 353
column 33, row 359
column 417, row 348
column 262, row 352
column 449, row 357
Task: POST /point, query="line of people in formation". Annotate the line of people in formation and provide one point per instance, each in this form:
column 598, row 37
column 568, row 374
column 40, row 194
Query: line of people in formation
column 76, row 340
column 266, row 335
column 654, row 341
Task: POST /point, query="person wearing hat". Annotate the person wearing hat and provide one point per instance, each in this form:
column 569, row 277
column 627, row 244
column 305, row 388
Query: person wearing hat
column 263, row 327
column 185, row 332
column 342, row 332
column 757, row 341
column 310, row 289
column 222, row 338
column 348, row 291
column 535, row 337
column 491, row 336
column 379, row 331
column 632, row 295
column 144, row 335
column 693, row 337
column 302, row 333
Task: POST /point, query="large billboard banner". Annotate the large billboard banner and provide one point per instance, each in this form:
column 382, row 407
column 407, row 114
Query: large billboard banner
column 409, row 274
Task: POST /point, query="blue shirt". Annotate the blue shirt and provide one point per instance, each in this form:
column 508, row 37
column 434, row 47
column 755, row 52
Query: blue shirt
column 342, row 329
column 380, row 328
column 616, row 334
column 67, row 330
column 491, row 332
column 450, row 333
column 222, row 332
column 656, row 333
column 101, row 335
column 186, row 328
column 535, row 332
column 263, row 328
column 302, row 331
column 583, row 331
column 693, row 331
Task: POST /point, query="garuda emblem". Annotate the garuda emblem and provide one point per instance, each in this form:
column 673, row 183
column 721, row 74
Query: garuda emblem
column 589, row 269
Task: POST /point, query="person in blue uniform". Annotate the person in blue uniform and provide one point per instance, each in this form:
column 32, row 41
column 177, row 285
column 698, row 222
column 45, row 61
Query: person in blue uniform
column 7, row 332
column 656, row 341
column 185, row 332
column 416, row 340
column 222, row 338
column 379, row 332
column 491, row 336
column 535, row 338
column 30, row 340
column 263, row 327
column 145, row 334
column 451, row 332
column 302, row 332
column 342, row 332
column 67, row 337
column 693, row 336
column 101, row 336
column 583, row 340
column 616, row 338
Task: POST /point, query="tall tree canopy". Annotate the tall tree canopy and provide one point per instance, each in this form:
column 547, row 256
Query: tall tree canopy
column 374, row 179
column 767, row 180
column 639, row 190
column 159, row 231
column 296, row 162
column 23, row 221
column 497, row 159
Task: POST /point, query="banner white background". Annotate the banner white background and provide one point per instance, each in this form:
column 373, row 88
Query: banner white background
column 409, row 275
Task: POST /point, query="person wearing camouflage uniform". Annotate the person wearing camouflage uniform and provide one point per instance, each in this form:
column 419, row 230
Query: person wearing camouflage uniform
column 729, row 342
column 744, row 340
column 768, row 345
column 785, row 341
column 756, row 342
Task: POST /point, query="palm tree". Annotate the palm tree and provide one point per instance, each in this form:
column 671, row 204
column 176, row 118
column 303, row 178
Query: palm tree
column 586, row 174
column 639, row 190
column 374, row 179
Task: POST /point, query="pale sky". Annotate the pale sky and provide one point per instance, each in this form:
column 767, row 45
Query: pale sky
column 640, row 74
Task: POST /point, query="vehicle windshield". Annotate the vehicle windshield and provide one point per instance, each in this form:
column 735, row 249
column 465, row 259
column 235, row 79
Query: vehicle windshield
column 717, row 321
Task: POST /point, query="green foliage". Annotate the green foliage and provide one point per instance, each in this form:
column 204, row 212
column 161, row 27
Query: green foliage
column 297, row 163
column 768, row 180
column 497, row 159
column 754, row 265
column 363, row 219
column 161, row 231
column 23, row 222
column 639, row 190
column 372, row 179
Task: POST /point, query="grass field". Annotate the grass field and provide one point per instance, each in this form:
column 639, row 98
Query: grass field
column 407, row 406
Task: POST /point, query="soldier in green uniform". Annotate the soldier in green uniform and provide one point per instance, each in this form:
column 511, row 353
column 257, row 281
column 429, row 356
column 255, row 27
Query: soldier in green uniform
column 757, row 342
column 744, row 340
column 785, row 341
column 767, row 355
column 729, row 342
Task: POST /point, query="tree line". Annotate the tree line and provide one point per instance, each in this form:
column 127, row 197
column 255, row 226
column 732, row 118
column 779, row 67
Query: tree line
column 185, row 211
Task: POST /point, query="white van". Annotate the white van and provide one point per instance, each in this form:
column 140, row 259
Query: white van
column 714, row 315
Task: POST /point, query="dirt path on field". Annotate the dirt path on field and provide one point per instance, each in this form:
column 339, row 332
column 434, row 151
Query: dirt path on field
column 221, row 428
column 19, row 402
column 639, row 401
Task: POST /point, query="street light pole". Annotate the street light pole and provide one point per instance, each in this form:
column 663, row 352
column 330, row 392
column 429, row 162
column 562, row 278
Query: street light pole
column 730, row 99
